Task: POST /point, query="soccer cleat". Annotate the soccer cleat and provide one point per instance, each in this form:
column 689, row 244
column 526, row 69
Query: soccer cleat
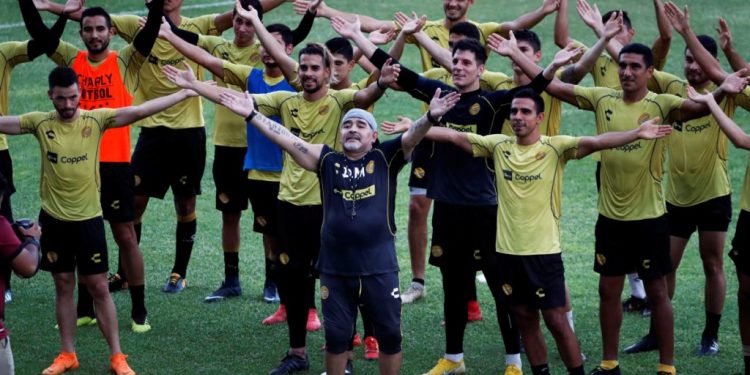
column 175, row 284
column 645, row 344
column 226, row 290
column 313, row 323
column 708, row 347
column 63, row 363
column 512, row 369
column 8, row 296
column 446, row 366
column 634, row 304
column 414, row 292
column 83, row 321
column 279, row 316
column 348, row 370
column 372, row 350
column 140, row 328
column 291, row 364
column 119, row 365
column 270, row 292
column 600, row 371
column 116, row 283
column 475, row 313
column 357, row 340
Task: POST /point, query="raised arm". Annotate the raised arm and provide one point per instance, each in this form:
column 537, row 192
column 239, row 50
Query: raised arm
column 409, row 27
column 368, row 23
column 736, row 61
column 56, row 8
column 193, row 52
column 287, row 64
column 145, row 39
column 438, row 107
column 576, row 72
column 531, row 19
column 185, row 79
column 593, row 19
column 129, row 115
column 305, row 154
column 10, row 125
column 648, row 130
column 660, row 48
column 739, row 138
column 733, row 84
column 300, row 33
column 44, row 40
column 388, row 75
column 562, row 30
column 681, row 23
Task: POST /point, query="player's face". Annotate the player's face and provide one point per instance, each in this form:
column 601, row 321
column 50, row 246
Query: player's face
column 341, row 67
column 527, row 50
column 313, row 73
column 693, row 72
column 172, row 5
column 465, row 69
column 357, row 135
column 244, row 32
column 634, row 74
column 95, row 34
column 267, row 59
column 453, row 39
column 455, row 10
column 65, row 100
column 523, row 116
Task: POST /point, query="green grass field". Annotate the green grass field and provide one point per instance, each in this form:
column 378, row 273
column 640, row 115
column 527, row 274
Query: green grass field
column 190, row 337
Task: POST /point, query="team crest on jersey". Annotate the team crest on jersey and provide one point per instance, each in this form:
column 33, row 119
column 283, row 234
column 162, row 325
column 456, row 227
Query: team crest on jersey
column 643, row 118
column 474, row 109
column 284, row 258
column 324, row 292
column 436, row 251
column 370, row 169
column 507, row 289
column 51, row 256
column 323, row 110
column 540, row 155
column 418, row 172
column 601, row 259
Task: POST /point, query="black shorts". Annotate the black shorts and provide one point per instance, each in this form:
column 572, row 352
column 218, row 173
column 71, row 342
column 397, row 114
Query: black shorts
column 70, row 244
column 461, row 234
column 712, row 215
column 740, row 252
column 537, row 281
column 166, row 157
column 118, row 192
column 230, row 178
column 299, row 238
column 380, row 298
column 420, row 165
column 623, row 247
column 264, row 200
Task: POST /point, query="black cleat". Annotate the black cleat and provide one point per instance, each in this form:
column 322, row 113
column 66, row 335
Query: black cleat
column 708, row 347
column 634, row 304
column 600, row 371
column 291, row 364
column 645, row 344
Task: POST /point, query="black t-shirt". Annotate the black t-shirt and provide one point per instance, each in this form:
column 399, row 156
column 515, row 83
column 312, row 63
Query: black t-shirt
column 359, row 198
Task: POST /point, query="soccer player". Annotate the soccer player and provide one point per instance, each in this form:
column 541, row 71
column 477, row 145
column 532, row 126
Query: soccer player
column 528, row 169
column 73, row 240
column 21, row 258
column 631, row 204
column 107, row 80
column 740, row 252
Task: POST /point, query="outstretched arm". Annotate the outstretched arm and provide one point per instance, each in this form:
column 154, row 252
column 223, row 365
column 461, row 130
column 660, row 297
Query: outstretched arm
column 44, row 40
column 10, row 125
column 185, row 79
column 735, row 134
column 562, row 30
column 593, row 19
column 736, row 61
column 438, row 107
column 287, row 64
column 368, row 23
column 129, row 115
column 648, row 130
column 388, row 75
column 305, row 154
column 193, row 52
column 576, row 72
column 531, row 19
column 56, row 8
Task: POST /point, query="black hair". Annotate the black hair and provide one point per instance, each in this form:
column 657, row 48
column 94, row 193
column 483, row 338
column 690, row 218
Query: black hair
column 246, row 4
column 472, row 45
column 97, row 11
column 286, row 33
column 639, row 49
column 530, row 37
column 625, row 18
column 466, row 29
column 342, row 47
column 533, row 95
column 62, row 77
column 709, row 44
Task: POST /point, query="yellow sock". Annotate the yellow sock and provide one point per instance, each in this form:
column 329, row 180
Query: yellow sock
column 609, row 365
column 669, row 369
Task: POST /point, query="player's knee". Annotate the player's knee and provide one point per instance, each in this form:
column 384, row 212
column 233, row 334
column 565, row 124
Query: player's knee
column 338, row 336
column 389, row 340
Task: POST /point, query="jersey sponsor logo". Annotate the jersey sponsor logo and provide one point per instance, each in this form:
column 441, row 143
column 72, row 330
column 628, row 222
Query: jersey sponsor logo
column 324, row 292
column 697, row 128
column 155, row 61
column 436, row 251
column 630, row 147
column 601, row 259
column 508, row 175
column 86, row 132
column 370, row 169
column 356, row 195
column 50, row 134
column 347, row 172
column 73, row 159
column 507, row 289
column 474, row 109
column 96, row 258
column 472, row 128
column 304, row 135
column 52, row 157
column 540, row 293
column 419, row 172
column 677, row 126
column 51, row 256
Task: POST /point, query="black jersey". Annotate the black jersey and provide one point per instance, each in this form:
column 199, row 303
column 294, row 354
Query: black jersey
column 358, row 233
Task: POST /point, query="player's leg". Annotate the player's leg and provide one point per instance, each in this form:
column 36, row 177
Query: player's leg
column 263, row 200
column 380, row 301
column 419, row 211
column 740, row 255
column 339, row 302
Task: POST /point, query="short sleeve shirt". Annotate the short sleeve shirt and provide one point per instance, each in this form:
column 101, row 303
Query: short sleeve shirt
column 11, row 54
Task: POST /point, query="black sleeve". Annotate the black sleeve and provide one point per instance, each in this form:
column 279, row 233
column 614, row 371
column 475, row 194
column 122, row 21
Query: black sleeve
column 44, row 40
column 502, row 97
column 417, row 86
column 33, row 21
column 185, row 35
column 145, row 39
column 303, row 29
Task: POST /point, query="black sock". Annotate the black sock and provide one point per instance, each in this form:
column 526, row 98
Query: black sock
column 231, row 265
column 138, row 301
column 576, row 371
column 712, row 326
column 540, row 369
column 418, row 281
column 85, row 305
column 185, row 237
column 268, row 274
column 137, row 227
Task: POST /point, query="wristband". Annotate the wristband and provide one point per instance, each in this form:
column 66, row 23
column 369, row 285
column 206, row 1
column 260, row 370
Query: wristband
column 380, row 86
column 251, row 116
column 431, row 119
